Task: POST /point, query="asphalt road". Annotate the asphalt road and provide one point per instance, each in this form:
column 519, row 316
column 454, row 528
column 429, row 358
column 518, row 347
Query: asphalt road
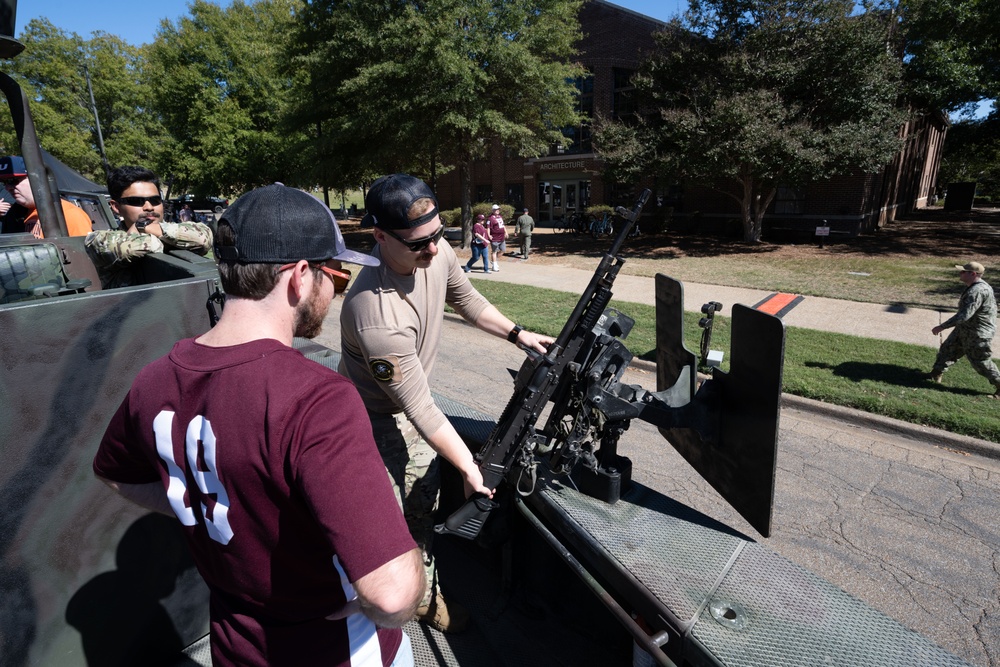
column 909, row 528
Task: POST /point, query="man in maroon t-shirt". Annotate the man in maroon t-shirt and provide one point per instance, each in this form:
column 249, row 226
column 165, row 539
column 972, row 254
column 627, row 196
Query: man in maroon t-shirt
column 268, row 460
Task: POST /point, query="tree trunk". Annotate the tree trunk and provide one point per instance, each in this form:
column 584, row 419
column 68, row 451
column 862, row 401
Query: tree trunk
column 753, row 206
column 751, row 228
column 465, row 186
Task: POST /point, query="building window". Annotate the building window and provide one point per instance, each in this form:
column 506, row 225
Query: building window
column 515, row 195
column 620, row 195
column 484, row 193
column 623, row 95
column 789, row 201
column 579, row 139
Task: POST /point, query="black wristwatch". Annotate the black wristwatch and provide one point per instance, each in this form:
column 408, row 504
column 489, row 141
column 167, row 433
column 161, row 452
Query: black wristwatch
column 140, row 226
column 512, row 336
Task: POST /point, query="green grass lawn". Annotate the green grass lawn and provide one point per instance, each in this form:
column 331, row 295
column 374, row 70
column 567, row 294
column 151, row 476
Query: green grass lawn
column 916, row 282
column 876, row 376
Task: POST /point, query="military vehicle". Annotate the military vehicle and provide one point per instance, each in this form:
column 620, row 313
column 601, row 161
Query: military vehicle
column 620, row 574
column 76, row 584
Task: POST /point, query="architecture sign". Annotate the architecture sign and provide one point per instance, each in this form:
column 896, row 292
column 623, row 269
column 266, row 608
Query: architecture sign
column 551, row 166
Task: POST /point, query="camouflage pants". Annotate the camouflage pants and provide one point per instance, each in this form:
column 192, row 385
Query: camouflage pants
column 415, row 474
column 525, row 245
column 959, row 344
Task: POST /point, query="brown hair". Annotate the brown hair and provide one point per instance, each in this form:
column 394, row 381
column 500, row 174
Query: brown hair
column 244, row 281
column 419, row 207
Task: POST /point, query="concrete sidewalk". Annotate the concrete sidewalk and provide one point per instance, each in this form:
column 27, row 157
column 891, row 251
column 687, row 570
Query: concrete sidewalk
column 868, row 320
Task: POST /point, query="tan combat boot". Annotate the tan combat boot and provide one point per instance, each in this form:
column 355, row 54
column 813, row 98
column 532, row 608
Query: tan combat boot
column 446, row 617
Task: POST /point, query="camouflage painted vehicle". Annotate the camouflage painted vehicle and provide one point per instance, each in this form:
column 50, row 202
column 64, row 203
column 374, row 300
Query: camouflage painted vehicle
column 84, row 577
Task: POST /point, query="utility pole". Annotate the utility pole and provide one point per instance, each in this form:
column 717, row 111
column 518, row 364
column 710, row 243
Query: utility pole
column 97, row 121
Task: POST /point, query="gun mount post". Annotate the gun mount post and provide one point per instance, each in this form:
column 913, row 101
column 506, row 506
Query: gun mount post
column 707, row 323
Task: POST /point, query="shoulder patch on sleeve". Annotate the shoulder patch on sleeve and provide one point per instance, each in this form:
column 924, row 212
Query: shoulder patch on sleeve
column 385, row 369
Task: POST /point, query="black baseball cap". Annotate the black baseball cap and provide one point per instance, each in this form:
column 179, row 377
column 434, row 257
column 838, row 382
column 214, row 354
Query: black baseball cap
column 389, row 200
column 276, row 224
column 12, row 167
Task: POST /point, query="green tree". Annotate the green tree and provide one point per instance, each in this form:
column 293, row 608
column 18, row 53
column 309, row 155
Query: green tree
column 748, row 95
column 952, row 55
column 123, row 94
column 222, row 95
column 51, row 72
column 396, row 85
column 972, row 153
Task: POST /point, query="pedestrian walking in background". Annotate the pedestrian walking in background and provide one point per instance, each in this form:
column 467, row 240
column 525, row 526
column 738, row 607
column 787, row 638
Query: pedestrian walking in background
column 498, row 237
column 974, row 324
column 480, row 245
column 523, row 228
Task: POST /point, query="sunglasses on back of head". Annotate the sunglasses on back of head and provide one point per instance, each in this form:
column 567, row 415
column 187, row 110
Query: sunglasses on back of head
column 417, row 245
column 155, row 200
column 340, row 278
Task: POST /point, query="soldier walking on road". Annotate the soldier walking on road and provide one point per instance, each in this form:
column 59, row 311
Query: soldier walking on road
column 523, row 228
column 975, row 324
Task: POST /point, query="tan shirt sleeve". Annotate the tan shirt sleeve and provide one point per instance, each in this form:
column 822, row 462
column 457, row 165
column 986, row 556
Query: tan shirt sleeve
column 391, row 332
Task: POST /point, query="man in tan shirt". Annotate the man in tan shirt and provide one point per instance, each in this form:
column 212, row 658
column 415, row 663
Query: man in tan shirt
column 390, row 333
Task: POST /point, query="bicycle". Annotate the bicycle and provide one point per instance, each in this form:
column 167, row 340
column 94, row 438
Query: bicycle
column 601, row 226
column 576, row 223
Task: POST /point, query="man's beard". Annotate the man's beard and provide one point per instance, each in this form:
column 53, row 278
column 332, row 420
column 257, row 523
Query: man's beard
column 311, row 313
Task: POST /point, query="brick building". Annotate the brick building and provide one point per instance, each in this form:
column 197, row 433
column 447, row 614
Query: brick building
column 569, row 178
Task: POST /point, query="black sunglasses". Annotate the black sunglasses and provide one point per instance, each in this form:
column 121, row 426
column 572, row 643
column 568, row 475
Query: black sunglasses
column 155, row 200
column 416, row 245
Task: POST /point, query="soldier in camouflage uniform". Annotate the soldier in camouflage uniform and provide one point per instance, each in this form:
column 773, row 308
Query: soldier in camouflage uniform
column 975, row 325
column 135, row 198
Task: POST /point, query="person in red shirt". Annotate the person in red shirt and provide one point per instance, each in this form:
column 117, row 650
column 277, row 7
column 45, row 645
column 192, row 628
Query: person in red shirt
column 14, row 177
column 498, row 237
column 267, row 458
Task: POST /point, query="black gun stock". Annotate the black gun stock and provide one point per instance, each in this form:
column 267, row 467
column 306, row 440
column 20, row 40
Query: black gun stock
column 539, row 378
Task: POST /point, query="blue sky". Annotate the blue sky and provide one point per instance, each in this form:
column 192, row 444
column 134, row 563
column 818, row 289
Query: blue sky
column 136, row 21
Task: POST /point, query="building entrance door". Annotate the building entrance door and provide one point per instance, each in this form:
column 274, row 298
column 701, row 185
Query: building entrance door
column 559, row 199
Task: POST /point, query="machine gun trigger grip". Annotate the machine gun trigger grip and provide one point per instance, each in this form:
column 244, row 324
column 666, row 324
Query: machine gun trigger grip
column 467, row 520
